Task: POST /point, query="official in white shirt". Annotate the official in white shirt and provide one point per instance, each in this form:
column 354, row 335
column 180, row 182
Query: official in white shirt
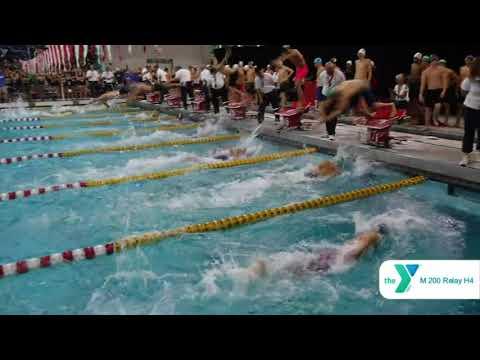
column 216, row 85
column 184, row 77
column 108, row 79
column 328, row 80
column 92, row 78
column 267, row 92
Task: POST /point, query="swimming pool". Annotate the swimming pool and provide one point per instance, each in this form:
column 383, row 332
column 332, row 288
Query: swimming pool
column 204, row 273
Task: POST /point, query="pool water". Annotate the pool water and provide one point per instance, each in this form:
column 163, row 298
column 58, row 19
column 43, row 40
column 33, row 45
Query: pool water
column 205, row 273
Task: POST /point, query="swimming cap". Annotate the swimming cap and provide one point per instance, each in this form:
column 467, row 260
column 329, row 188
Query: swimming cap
column 362, row 51
column 382, row 229
column 318, row 61
column 286, row 46
column 333, row 60
column 418, row 56
column 398, row 77
column 246, row 67
column 426, row 58
column 434, row 57
column 443, row 61
column 469, row 58
column 235, row 66
column 349, row 62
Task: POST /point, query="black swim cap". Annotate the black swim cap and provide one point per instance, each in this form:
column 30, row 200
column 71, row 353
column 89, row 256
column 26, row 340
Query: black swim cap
column 382, row 229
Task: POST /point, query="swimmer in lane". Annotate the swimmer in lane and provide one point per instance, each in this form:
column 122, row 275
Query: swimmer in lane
column 231, row 154
column 104, row 98
column 324, row 169
column 323, row 259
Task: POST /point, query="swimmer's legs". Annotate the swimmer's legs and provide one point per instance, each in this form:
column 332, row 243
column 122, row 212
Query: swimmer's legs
column 258, row 269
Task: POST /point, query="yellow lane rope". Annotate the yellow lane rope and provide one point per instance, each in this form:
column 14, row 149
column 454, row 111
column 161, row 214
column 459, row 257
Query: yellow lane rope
column 140, row 147
column 234, row 221
column 130, row 242
column 182, row 171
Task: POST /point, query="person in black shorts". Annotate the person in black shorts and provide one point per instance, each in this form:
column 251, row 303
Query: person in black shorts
column 432, row 97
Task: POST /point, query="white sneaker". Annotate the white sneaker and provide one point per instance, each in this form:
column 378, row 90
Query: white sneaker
column 465, row 160
column 331, row 137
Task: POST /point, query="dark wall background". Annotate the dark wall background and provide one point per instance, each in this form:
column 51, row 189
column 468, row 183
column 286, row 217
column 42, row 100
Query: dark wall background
column 390, row 59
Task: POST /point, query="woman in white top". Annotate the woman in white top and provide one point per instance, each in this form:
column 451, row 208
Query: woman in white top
column 471, row 117
column 401, row 92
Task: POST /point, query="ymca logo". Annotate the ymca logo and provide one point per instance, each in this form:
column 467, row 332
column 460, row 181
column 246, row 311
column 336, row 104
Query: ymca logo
column 406, row 273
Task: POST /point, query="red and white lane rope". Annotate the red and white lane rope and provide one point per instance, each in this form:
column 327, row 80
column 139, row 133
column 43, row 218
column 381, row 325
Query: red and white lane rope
column 24, row 119
column 39, row 191
column 24, row 266
column 30, row 127
column 26, row 139
column 30, row 157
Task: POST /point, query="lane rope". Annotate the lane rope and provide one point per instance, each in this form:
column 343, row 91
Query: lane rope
column 56, row 126
column 13, row 195
column 131, row 242
column 99, row 133
column 24, row 119
column 140, row 147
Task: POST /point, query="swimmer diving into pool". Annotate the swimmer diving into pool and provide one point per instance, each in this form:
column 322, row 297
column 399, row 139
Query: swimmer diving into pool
column 351, row 94
column 111, row 95
column 301, row 70
column 325, row 258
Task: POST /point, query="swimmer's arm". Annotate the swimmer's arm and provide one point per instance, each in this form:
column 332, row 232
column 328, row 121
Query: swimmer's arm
column 422, row 85
column 444, row 83
column 369, row 72
column 289, row 71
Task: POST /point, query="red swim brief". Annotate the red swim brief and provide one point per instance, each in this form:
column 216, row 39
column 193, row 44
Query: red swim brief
column 301, row 72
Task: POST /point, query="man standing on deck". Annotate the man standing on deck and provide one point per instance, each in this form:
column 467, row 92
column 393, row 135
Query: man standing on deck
column 363, row 67
column 301, row 71
column 183, row 76
column 464, row 73
column 282, row 77
column 416, row 70
column 319, row 67
column 431, row 89
column 448, row 97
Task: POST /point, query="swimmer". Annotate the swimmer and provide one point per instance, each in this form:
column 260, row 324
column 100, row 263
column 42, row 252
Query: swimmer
column 324, row 169
column 104, row 98
column 325, row 258
column 231, row 154
column 301, row 70
column 351, row 94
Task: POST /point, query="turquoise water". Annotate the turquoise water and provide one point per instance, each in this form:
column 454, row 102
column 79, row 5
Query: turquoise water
column 204, row 273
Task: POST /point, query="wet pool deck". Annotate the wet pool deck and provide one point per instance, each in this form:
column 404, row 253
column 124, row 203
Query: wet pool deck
column 417, row 152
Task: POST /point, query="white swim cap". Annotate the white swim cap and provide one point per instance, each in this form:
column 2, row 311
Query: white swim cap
column 418, row 56
column 349, row 62
column 235, row 67
column 240, row 63
column 362, row 51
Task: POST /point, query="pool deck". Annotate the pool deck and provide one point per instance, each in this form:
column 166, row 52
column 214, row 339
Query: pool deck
column 419, row 153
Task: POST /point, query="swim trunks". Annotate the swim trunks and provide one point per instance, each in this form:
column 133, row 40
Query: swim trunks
column 432, row 97
column 450, row 96
column 301, row 72
column 367, row 95
column 221, row 157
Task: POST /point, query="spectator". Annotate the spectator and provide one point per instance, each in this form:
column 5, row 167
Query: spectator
column 3, row 87
column 92, row 78
column 416, row 69
column 168, row 76
column 68, row 84
column 108, row 79
column 267, row 93
column 401, row 92
column 184, row 78
column 216, row 84
column 330, row 78
column 471, row 85
column 349, row 70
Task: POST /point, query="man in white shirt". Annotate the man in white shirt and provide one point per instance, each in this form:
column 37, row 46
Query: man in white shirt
column 108, row 78
column 161, row 75
column 92, row 78
column 268, row 94
column 216, row 84
column 204, row 78
column 328, row 80
column 184, row 77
